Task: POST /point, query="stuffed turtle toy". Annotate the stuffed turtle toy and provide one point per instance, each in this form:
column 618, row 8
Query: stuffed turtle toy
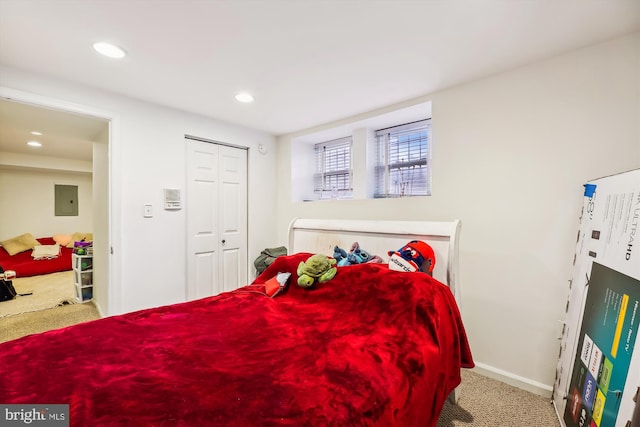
column 317, row 267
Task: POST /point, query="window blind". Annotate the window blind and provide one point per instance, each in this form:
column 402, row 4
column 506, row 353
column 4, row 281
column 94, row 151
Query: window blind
column 403, row 160
column 333, row 177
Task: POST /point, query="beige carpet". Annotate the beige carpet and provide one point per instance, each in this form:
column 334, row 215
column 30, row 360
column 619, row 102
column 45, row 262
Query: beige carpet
column 14, row 327
column 49, row 290
column 485, row 402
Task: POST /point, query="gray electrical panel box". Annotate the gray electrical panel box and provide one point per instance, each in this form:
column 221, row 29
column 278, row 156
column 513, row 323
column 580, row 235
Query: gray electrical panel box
column 66, row 200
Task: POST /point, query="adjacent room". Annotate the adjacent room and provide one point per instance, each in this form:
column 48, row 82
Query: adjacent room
column 152, row 153
column 55, row 195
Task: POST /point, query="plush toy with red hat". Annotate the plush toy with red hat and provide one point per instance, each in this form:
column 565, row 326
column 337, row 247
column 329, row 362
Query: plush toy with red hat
column 414, row 256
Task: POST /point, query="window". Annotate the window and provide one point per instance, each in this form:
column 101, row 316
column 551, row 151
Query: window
column 403, row 160
column 345, row 161
column 333, row 177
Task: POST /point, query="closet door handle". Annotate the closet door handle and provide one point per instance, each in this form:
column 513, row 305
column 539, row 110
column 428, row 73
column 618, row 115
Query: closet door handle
column 224, row 241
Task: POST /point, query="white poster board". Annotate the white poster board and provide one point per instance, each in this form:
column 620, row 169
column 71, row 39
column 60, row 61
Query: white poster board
column 598, row 370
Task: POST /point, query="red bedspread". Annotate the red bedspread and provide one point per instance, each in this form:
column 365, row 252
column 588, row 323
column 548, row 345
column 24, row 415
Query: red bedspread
column 370, row 347
column 24, row 265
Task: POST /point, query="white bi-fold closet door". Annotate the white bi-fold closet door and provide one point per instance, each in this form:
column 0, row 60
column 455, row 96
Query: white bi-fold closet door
column 216, row 204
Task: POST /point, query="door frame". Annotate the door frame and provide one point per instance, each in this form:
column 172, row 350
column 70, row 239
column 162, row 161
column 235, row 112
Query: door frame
column 112, row 258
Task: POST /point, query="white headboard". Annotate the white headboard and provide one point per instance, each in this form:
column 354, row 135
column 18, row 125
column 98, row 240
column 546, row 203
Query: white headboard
column 379, row 237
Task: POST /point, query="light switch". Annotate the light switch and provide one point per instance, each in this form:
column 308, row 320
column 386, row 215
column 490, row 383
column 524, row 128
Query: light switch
column 148, row 211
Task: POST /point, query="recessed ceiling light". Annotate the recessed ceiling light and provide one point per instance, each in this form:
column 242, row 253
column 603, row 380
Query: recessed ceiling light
column 34, row 144
column 244, row 97
column 110, row 50
column 36, row 133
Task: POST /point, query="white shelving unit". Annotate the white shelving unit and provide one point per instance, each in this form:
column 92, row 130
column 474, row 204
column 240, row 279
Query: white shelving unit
column 83, row 277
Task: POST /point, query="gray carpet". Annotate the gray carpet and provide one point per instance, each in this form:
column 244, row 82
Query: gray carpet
column 484, row 402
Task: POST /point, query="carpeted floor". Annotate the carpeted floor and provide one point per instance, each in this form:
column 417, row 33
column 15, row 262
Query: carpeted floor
column 483, row 402
column 45, row 291
column 44, row 320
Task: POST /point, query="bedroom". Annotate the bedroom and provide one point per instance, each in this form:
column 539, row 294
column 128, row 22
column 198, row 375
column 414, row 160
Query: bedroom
column 512, row 149
column 44, row 181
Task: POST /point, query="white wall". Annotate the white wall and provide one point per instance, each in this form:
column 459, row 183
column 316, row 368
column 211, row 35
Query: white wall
column 101, row 224
column 510, row 155
column 147, row 154
column 27, row 198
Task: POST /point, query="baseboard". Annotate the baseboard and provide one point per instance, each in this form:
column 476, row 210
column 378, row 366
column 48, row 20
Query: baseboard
column 514, row 380
column 98, row 308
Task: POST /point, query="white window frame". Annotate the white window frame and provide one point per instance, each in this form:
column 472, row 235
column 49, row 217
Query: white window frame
column 398, row 176
column 333, row 178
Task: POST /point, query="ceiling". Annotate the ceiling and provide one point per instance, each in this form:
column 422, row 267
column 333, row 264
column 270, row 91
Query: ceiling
column 64, row 135
column 307, row 62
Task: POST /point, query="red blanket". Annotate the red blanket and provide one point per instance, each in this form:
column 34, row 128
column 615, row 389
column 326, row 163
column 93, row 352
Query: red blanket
column 369, row 347
column 24, row 265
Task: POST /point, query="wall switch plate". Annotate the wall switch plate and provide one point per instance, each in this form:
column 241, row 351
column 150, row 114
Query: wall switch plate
column 172, row 199
column 148, row 210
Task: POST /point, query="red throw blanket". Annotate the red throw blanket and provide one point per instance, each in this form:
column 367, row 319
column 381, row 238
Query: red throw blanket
column 24, row 265
column 369, row 347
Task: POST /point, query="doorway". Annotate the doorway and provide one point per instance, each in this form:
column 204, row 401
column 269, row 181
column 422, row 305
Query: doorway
column 104, row 223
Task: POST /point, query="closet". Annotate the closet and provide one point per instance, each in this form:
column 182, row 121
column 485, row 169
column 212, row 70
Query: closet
column 216, row 213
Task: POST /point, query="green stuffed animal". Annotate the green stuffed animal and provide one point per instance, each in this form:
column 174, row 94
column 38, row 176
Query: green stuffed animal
column 317, row 267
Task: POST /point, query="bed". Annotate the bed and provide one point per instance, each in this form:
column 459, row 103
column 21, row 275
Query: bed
column 25, row 266
column 370, row 347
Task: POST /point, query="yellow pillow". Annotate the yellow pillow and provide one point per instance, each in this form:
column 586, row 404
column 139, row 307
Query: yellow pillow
column 62, row 239
column 21, row 243
column 79, row 237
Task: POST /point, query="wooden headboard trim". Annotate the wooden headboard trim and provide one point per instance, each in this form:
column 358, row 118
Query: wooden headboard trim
column 448, row 231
